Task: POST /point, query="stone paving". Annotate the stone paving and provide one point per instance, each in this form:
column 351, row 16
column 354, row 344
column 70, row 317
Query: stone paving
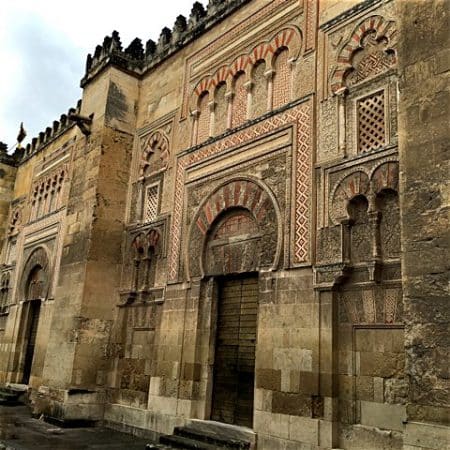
column 18, row 431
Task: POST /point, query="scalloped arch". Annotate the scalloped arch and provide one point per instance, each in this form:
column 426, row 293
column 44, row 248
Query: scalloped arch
column 383, row 29
column 356, row 183
column 385, row 176
column 156, row 143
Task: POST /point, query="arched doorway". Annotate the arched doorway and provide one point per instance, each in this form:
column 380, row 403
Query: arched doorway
column 234, row 236
column 34, row 288
column 232, row 254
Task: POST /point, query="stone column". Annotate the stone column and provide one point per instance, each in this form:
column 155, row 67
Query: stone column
column 195, row 115
column 249, row 88
column 229, row 98
column 269, row 74
column 342, row 122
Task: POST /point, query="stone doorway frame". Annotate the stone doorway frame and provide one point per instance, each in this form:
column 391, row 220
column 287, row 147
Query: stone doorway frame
column 31, row 311
column 215, row 300
column 39, row 257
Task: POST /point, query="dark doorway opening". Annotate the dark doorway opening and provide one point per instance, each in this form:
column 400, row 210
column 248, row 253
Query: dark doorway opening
column 234, row 366
column 30, row 338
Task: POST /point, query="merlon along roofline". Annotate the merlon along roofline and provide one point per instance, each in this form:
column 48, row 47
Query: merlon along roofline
column 138, row 60
column 51, row 133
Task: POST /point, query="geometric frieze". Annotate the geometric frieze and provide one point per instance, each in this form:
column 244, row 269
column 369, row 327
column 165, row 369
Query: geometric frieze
column 301, row 116
column 371, row 305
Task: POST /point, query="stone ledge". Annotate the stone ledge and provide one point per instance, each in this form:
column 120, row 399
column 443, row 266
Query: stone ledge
column 426, row 436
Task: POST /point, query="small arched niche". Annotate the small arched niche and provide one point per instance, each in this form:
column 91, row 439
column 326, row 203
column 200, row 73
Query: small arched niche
column 360, row 229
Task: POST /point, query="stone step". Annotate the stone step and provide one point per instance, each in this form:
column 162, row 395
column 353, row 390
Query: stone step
column 211, row 437
column 223, row 430
column 6, row 398
column 186, row 443
column 12, row 395
column 16, row 387
column 207, row 434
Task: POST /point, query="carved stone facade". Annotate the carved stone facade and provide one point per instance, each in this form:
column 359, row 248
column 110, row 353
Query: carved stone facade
column 219, row 231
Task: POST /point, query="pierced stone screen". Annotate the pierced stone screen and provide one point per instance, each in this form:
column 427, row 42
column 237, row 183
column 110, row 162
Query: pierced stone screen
column 371, row 122
column 151, row 203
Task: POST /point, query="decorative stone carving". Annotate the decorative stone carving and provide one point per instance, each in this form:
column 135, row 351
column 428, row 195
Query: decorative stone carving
column 385, row 176
column 387, row 203
column 155, row 154
column 15, row 221
column 301, row 115
column 352, row 185
column 48, row 192
column 35, row 275
column 248, row 202
column 329, row 244
column 234, row 245
column 373, row 305
column 288, row 38
column 369, row 52
column 360, row 230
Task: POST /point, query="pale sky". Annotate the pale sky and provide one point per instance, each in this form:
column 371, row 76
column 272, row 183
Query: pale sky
column 43, row 49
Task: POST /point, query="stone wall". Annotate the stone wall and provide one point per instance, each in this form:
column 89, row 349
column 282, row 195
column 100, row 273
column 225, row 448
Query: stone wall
column 268, row 140
column 423, row 142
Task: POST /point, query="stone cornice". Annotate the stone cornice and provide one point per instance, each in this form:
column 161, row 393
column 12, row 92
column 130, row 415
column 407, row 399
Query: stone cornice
column 350, row 13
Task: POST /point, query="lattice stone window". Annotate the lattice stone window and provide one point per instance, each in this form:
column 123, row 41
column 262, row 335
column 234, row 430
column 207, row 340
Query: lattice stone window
column 151, row 203
column 371, row 122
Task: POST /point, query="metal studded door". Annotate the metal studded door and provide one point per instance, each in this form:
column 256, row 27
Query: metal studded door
column 234, row 365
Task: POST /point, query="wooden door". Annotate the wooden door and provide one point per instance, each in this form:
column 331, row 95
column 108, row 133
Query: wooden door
column 234, row 365
column 32, row 326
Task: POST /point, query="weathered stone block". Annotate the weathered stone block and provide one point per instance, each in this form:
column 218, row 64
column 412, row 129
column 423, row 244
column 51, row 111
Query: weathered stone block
column 382, row 415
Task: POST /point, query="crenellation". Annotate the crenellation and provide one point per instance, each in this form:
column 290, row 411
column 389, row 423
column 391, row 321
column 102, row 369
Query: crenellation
column 169, row 42
column 135, row 50
column 150, row 48
column 179, row 27
column 198, row 12
column 164, row 40
column 45, row 137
